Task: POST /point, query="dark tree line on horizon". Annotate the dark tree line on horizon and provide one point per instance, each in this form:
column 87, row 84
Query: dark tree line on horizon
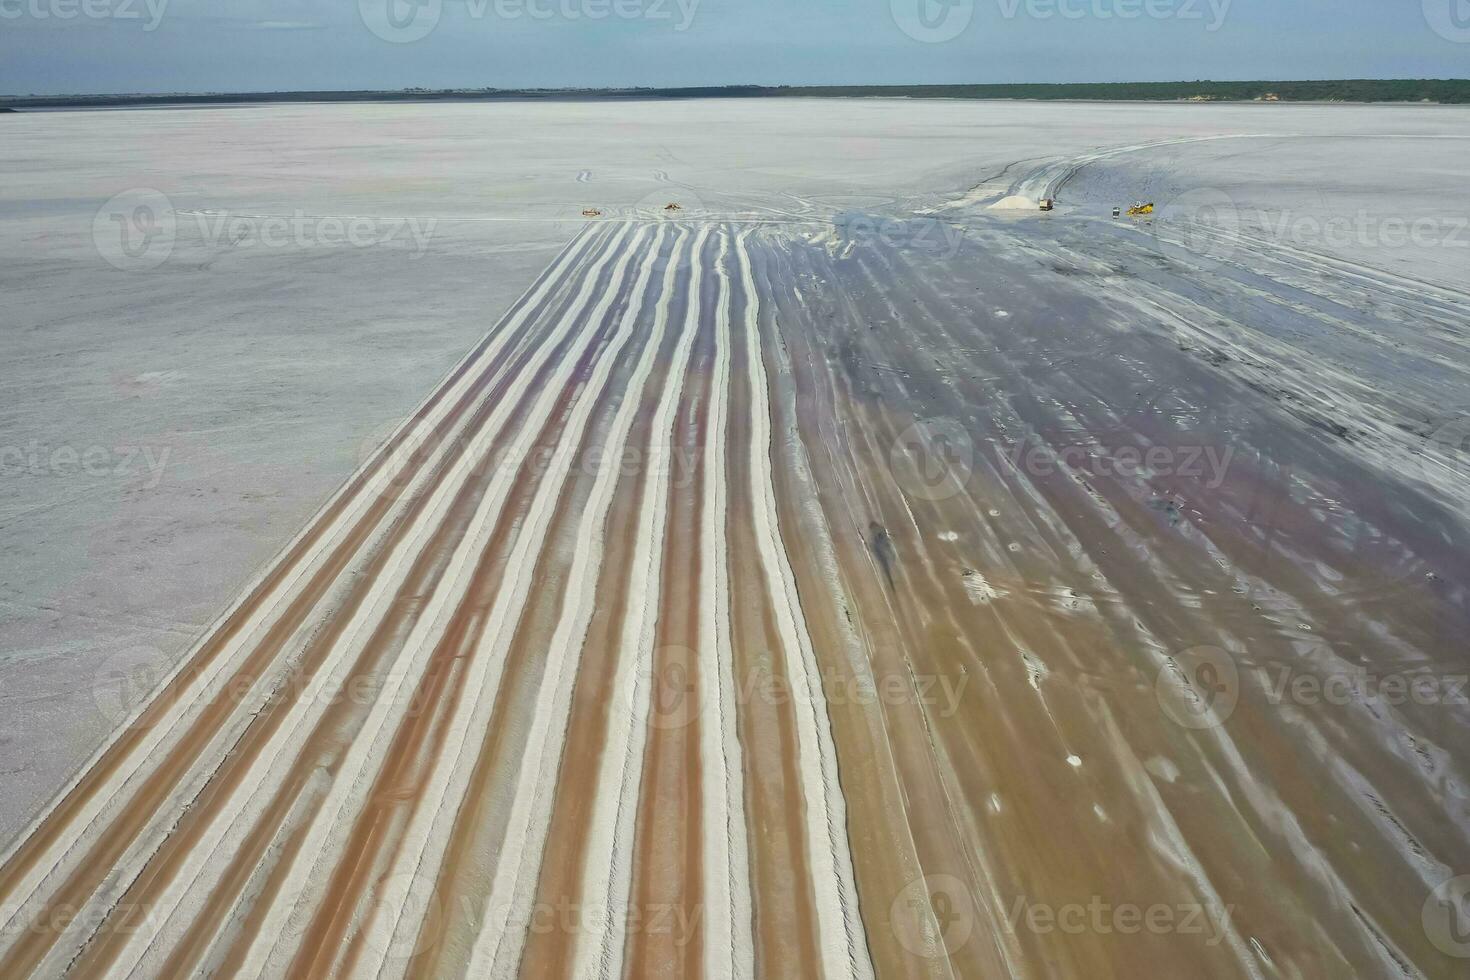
column 1446, row 91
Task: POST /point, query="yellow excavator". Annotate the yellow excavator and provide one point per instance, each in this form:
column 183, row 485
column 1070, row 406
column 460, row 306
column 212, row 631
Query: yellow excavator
column 1138, row 210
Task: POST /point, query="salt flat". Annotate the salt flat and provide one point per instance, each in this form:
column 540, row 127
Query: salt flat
column 957, row 563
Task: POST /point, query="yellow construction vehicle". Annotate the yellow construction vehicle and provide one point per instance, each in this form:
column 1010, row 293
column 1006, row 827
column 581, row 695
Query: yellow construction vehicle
column 1138, row 210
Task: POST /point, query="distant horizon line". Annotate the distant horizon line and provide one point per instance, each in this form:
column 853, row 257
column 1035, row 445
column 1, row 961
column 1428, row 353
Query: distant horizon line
column 1385, row 89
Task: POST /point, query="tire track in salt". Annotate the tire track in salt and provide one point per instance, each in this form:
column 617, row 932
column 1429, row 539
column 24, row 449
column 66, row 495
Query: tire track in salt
column 474, row 855
column 497, row 950
column 391, row 925
column 666, row 890
column 251, row 851
column 608, row 868
column 234, row 817
column 843, row 948
column 353, row 777
column 234, row 811
column 727, row 902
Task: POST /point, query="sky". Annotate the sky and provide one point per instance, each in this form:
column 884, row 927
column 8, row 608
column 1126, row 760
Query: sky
column 50, row 47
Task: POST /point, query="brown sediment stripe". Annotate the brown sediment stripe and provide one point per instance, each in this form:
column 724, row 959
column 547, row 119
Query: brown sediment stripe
column 560, row 889
column 666, row 934
column 432, row 821
column 417, row 784
column 499, row 830
column 503, row 935
column 401, row 781
column 726, row 914
column 607, row 874
column 842, row 946
column 548, row 951
column 331, row 733
column 894, row 791
column 782, row 900
column 49, row 828
column 358, row 766
column 899, row 606
column 119, row 834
